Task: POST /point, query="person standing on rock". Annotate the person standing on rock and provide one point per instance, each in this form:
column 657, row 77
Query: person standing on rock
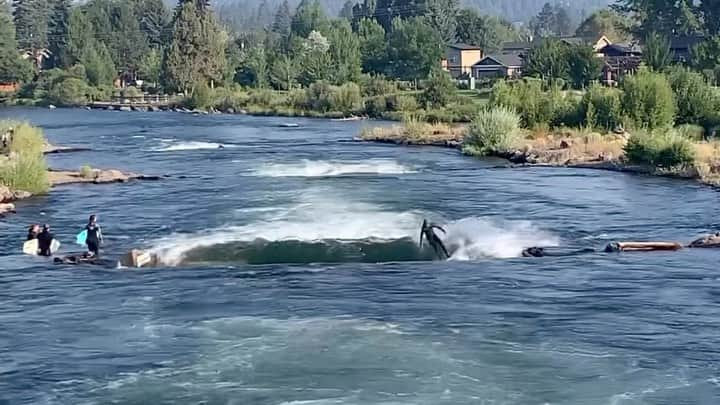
column 94, row 236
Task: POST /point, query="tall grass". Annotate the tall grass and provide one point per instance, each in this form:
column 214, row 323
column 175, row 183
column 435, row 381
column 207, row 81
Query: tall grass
column 25, row 168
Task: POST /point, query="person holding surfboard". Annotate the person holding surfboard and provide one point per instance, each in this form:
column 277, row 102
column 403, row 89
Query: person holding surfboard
column 93, row 236
column 45, row 239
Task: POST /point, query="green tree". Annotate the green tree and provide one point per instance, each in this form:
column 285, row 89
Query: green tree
column 308, row 17
column 31, row 24
column 373, row 53
column 153, row 18
column 695, row 99
column 706, row 55
column 346, row 11
column 547, row 60
column 440, row 89
column 12, row 67
column 128, row 45
column 315, row 61
column 413, row 48
column 442, row 16
column 98, row 63
column 710, row 12
column 254, row 68
column 551, row 21
column 58, row 27
column 150, row 67
column 583, row 65
column 284, row 72
column 197, row 50
column 657, row 54
column 484, row 31
column 665, row 17
column 283, row 20
column 344, row 52
column 606, row 22
column 648, row 100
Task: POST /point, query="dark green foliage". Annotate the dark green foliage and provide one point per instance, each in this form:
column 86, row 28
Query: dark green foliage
column 154, row 20
column 31, row 24
column 58, row 32
column 583, row 66
column 657, row 54
column 283, row 20
column 346, row 11
column 664, row 150
column 548, row 60
column 614, row 26
column 648, row 100
column 373, row 52
column 442, row 16
column 12, row 67
column 695, row 99
column 601, row 108
column 414, row 48
column 665, row 17
column 440, row 89
column 344, row 53
column 553, row 20
column 528, row 98
column 308, row 17
column 486, row 32
column 377, row 85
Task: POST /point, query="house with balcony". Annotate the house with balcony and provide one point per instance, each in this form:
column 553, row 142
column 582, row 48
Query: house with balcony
column 460, row 58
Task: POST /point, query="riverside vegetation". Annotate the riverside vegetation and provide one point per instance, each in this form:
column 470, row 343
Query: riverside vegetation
column 655, row 122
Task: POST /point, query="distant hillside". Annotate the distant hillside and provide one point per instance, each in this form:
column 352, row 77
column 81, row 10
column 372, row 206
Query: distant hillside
column 250, row 12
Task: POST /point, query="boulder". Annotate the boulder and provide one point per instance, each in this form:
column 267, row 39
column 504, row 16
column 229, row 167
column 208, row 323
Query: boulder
column 52, row 107
column 125, row 108
column 6, row 208
column 5, row 194
column 565, row 144
column 230, row 111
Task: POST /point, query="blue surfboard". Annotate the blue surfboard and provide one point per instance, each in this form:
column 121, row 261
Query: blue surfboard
column 81, row 237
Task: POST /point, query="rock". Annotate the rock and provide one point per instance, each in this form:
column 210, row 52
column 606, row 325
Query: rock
column 52, row 107
column 110, row 176
column 87, row 107
column 230, row 111
column 565, row 144
column 153, row 108
column 6, row 194
column 125, row 108
column 6, row 208
column 110, row 108
column 21, row 195
column 243, row 112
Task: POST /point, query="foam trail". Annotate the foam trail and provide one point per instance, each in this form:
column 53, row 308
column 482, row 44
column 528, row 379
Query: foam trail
column 322, row 168
column 192, row 145
column 476, row 237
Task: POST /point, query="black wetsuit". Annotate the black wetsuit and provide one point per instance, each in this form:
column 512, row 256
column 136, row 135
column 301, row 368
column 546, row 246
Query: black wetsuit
column 93, row 239
column 434, row 240
column 44, row 241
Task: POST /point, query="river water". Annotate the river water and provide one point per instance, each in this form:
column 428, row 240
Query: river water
column 293, row 275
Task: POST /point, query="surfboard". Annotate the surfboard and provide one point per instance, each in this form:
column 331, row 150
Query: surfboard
column 31, row 247
column 81, row 238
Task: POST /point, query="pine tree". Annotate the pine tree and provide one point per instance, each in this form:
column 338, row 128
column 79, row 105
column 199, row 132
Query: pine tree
column 58, row 27
column 31, row 25
column 347, row 10
column 153, row 18
column 283, row 19
column 12, row 67
column 308, row 17
column 442, row 16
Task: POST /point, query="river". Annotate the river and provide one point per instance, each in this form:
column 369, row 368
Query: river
column 293, row 275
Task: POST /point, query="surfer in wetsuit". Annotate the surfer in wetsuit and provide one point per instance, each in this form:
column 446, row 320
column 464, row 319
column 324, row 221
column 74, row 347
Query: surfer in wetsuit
column 94, row 237
column 45, row 239
column 33, row 232
column 433, row 239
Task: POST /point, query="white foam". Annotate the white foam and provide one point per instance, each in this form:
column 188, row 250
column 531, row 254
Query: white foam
column 476, row 237
column 192, row 145
column 321, row 168
column 316, row 217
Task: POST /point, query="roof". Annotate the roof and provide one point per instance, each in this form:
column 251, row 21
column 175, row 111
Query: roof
column 516, row 45
column 465, row 47
column 508, row 59
column 621, row 48
column 685, row 41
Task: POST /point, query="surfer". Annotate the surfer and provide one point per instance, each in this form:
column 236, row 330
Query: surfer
column 433, row 239
column 33, row 232
column 94, row 236
column 45, row 239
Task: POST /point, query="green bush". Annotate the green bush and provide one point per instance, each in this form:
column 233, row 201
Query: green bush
column 492, row 130
column 377, row 85
column 346, row 98
column 440, row 89
column 528, row 98
column 690, row 131
column 69, row 91
column 201, row 97
column 648, row 100
column 601, row 108
column 665, row 150
column 695, row 98
column 318, row 96
column 87, row 172
column 406, row 103
column 376, row 106
column 131, row 91
column 26, row 169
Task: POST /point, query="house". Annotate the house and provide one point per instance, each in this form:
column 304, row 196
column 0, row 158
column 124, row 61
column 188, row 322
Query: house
column 681, row 47
column 596, row 43
column 517, row 47
column 9, row 87
column 459, row 59
column 506, row 65
column 620, row 59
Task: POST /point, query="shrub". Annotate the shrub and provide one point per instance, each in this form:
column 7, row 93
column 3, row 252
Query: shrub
column 318, row 96
column 690, row 131
column 567, row 113
column 406, row 103
column 346, row 98
column 26, row 170
column 492, row 130
column 262, row 97
column 375, row 106
column 131, row 91
column 666, row 150
column 201, row 97
column 528, row 99
column 601, row 108
column 694, row 97
column 440, row 89
column 69, row 91
column 648, row 100
column 87, row 172
column 376, row 85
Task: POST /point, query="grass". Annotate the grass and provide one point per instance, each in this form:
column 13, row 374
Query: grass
column 87, row 172
column 24, row 168
column 413, row 131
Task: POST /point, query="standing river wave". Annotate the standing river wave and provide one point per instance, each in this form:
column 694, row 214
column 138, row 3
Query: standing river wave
column 292, row 275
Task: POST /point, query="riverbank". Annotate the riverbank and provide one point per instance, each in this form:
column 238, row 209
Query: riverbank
column 558, row 148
